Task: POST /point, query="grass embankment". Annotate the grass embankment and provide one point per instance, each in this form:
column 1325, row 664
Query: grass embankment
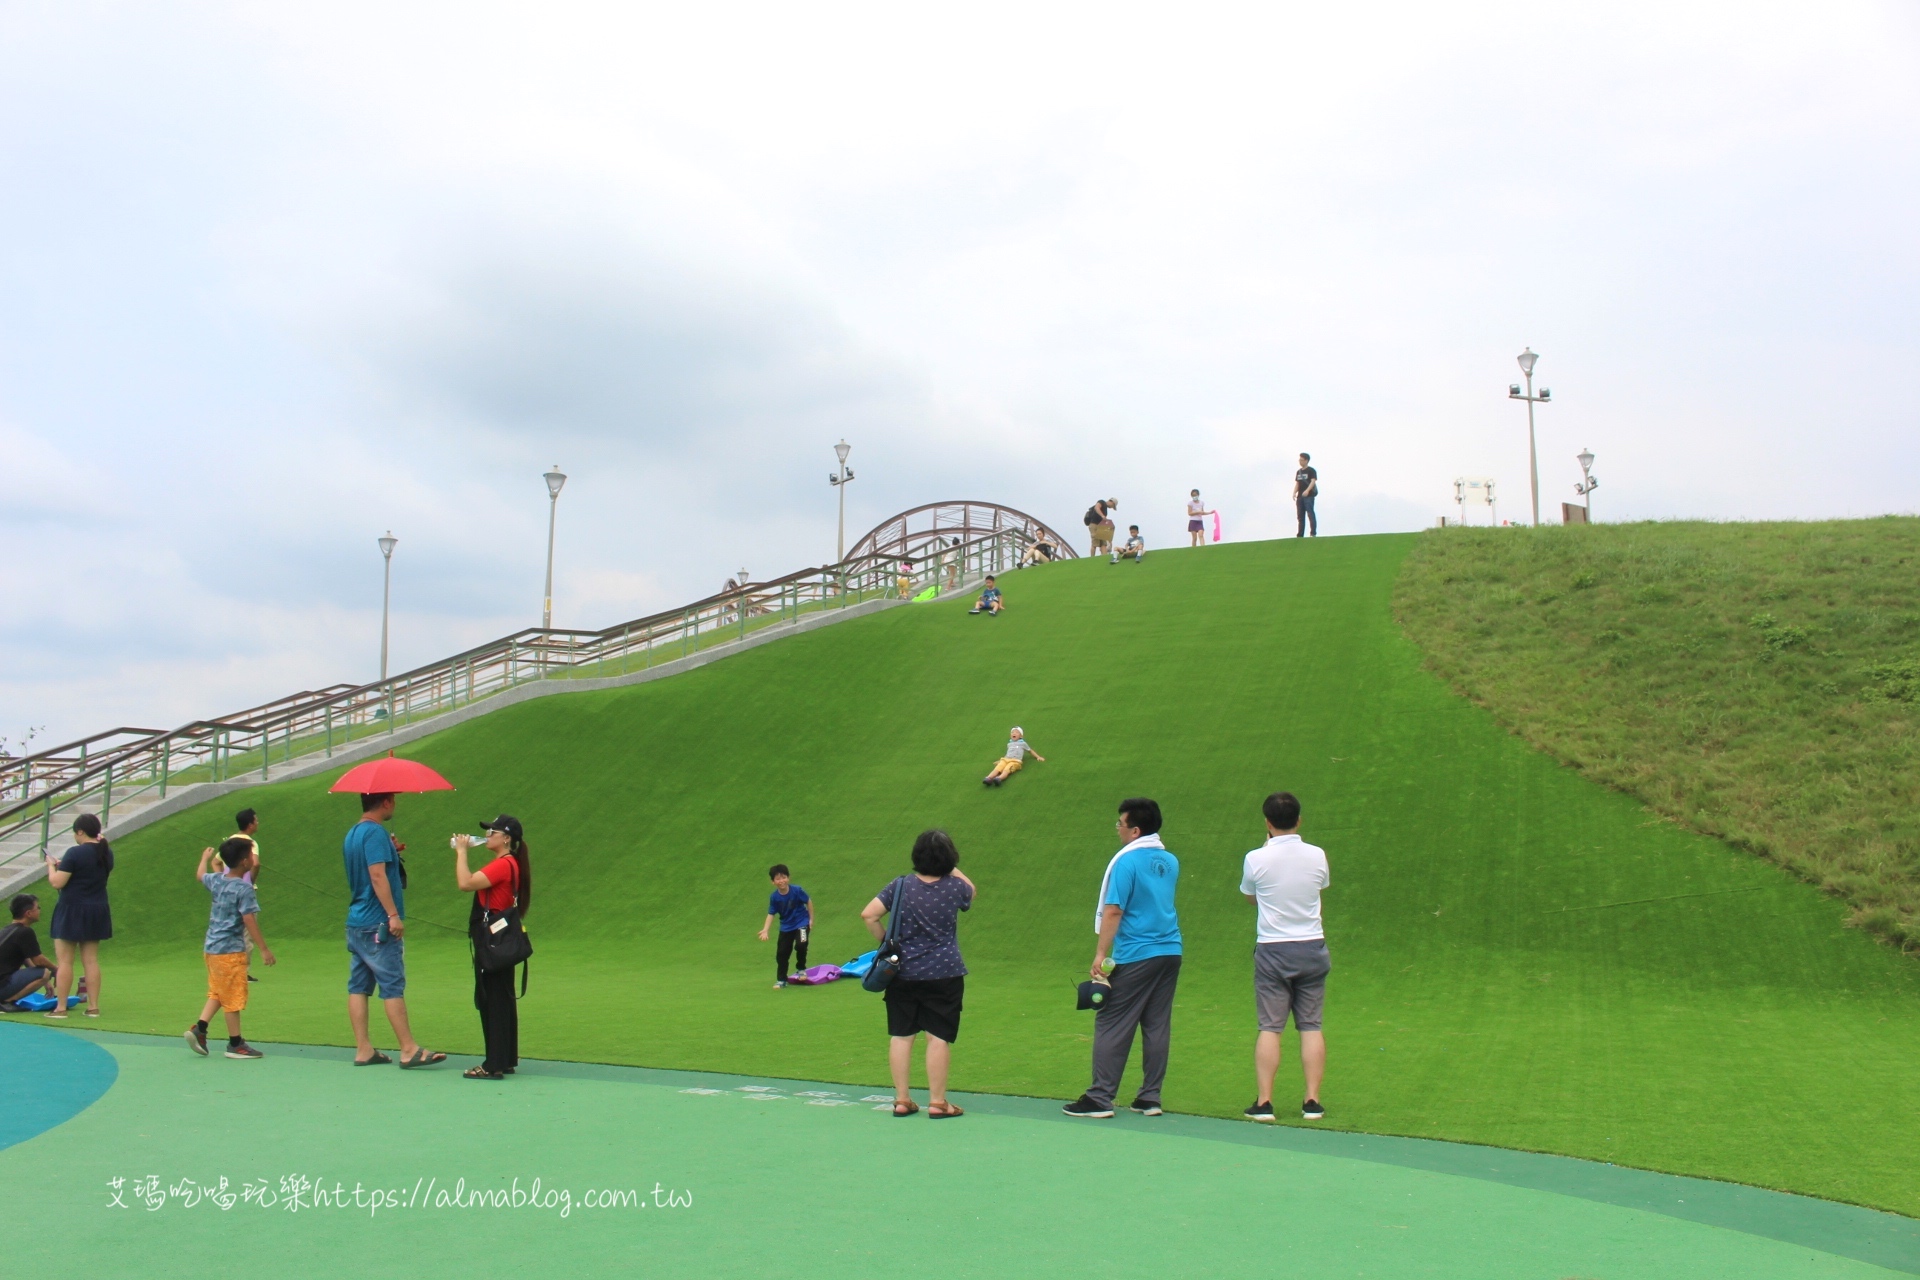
column 1757, row 682
column 1521, row 957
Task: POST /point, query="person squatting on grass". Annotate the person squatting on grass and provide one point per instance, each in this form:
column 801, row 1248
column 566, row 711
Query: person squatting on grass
column 1135, row 546
column 790, row 905
column 989, row 601
column 928, row 993
column 82, row 918
column 376, row 928
column 1135, row 920
column 1010, row 763
column 1283, row 878
column 233, row 919
column 1196, row 523
column 505, row 883
column 23, row 970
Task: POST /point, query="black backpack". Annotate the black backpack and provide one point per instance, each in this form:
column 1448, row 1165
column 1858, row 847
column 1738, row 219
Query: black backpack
column 1093, row 516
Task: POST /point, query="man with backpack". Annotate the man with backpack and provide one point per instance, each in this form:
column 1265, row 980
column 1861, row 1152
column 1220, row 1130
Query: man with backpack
column 1099, row 522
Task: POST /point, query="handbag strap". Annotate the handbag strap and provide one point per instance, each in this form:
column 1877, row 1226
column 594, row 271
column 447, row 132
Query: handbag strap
column 893, row 918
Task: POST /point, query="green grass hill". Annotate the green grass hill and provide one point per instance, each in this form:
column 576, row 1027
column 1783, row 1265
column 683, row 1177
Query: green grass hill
column 1522, row 957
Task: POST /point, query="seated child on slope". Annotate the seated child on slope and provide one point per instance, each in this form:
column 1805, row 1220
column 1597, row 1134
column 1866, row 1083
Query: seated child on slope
column 989, row 601
column 1135, row 546
column 1017, row 747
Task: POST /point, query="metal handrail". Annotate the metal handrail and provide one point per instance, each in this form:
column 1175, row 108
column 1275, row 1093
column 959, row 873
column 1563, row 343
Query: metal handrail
column 253, row 741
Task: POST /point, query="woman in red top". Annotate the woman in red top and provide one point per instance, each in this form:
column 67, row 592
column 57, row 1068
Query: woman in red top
column 504, row 882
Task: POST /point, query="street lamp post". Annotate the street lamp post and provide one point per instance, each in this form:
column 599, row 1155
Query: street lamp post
column 839, row 480
column 387, row 544
column 555, row 479
column 1527, row 358
column 1588, row 484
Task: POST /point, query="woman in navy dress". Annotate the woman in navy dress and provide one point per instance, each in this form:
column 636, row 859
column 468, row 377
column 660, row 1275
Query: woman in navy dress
column 82, row 920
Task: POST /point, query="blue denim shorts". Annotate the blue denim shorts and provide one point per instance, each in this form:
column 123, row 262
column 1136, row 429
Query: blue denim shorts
column 378, row 957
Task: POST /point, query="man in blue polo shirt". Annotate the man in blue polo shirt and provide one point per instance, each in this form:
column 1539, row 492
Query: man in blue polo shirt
column 376, row 934
column 1136, row 924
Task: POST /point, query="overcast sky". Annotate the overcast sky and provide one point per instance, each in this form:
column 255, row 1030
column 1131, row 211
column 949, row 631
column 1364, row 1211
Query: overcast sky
column 277, row 278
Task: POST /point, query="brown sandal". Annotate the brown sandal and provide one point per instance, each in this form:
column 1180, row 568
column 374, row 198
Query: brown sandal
column 943, row 1111
column 912, row 1108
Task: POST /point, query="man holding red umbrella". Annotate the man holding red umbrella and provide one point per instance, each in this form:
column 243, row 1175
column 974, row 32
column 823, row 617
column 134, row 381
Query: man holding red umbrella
column 376, row 918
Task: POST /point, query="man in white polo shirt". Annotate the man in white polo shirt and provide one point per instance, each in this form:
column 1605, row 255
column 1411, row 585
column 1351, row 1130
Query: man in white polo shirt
column 1284, row 878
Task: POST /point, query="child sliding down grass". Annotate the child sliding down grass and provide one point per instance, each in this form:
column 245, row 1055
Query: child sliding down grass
column 235, row 917
column 989, row 601
column 1009, row 764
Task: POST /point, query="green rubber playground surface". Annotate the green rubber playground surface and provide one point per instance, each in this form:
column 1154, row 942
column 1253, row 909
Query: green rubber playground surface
column 1522, row 959
column 300, row 1165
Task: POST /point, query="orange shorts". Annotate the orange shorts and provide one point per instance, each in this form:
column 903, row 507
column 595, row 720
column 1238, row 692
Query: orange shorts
column 227, row 980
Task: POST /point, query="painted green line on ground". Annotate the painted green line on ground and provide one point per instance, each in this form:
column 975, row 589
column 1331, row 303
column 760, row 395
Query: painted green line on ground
column 1847, row 1231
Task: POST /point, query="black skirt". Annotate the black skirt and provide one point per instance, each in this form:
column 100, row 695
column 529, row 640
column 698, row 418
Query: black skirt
column 931, row 1005
column 82, row 920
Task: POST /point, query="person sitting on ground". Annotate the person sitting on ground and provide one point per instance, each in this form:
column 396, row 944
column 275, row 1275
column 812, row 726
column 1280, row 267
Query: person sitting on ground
column 1041, row 552
column 989, row 601
column 234, row 917
column 1135, row 546
column 1010, row 763
column 23, row 970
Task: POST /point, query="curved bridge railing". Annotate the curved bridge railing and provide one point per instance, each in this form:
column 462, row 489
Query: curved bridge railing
column 134, row 767
column 932, row 529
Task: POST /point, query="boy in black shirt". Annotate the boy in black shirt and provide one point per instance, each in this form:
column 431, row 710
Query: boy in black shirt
column 1306, row 486
column 23, row 970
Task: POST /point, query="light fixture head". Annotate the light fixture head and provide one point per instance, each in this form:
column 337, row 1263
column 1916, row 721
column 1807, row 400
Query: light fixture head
column 1546, row 394
column 841, row 451
column 555, row 479
column 387, row 544
column 1586, row 459
column 1527, row 359
column 1513, row 389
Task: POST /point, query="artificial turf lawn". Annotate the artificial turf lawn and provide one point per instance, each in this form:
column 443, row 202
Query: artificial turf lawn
column 1757, row 682
column 710, row 1178
column 1521, row 957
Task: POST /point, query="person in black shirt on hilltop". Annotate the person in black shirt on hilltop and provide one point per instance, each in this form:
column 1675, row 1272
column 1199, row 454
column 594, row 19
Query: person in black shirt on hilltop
column 23, row 970
column 1306, row 487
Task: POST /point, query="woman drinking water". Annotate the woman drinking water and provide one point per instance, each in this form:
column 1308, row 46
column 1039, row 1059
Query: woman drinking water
column 503, row 884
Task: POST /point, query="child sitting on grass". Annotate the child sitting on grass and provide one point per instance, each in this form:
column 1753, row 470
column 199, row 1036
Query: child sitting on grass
column 1009, row 764
column 1135, row 546
column 234, row 918
column 989, row 601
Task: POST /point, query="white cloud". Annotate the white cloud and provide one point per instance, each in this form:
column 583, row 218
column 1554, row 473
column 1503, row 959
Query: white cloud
column 274, row 281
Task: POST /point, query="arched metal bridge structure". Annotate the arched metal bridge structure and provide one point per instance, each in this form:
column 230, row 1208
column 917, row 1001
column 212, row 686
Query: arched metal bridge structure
column 932, row 528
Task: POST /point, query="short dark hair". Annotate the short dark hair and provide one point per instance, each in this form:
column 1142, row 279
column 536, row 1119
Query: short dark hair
column 236, row 850
column 934, row 854
column 1133, row 528
column 23, row 903
column 989, row 577
column 778, row 869
column 1142, row 814
column 1282, row 809
column 373, row 800
column 244, row 819
column 1307, row 457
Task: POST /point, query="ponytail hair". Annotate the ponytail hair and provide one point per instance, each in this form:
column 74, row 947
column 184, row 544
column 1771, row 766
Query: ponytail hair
column 518, row 848
column 88, row 824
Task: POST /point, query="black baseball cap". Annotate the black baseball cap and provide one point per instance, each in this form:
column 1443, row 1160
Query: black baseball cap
column 508, row 823
column 1093, row 994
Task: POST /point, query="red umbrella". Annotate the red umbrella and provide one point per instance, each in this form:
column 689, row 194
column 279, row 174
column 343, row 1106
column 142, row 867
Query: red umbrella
column 389, row 774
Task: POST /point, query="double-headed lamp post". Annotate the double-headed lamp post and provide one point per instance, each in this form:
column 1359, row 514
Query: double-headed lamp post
column 1587, row 484
column 1527, row 359
column 387, row 544
column 555, row 479
column 839, row 480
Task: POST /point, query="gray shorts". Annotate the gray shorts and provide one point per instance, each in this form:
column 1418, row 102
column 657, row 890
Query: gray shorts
column 1291, row 976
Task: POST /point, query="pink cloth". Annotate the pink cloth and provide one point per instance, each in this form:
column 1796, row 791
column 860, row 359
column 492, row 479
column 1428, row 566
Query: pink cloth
column 818, row 974
column 1216, row 526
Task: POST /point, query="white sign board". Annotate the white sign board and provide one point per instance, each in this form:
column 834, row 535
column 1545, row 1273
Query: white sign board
column 1474, row 491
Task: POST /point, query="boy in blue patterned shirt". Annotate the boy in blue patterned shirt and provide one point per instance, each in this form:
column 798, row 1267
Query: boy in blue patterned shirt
column 233, row 919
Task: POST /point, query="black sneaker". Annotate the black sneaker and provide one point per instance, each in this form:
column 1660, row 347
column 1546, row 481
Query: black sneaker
column 243, row 1050
column 1141, row 1107
column 252, row 978
column 1312, row 1110
column 1087, row 1109
column 1261, row 1111
column 197, row 1041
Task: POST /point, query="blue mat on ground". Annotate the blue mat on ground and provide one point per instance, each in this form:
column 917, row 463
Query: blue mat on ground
column 51, row 1077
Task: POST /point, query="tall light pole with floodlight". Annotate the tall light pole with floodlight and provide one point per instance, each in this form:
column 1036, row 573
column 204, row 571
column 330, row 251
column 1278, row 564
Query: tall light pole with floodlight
column 1527, row 359
column 555, row 479
column 1588, row 484
column 839, row 480
column 387, row 544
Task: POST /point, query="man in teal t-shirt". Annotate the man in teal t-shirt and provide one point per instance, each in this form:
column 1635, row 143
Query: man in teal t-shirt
column 1136, row 922
column 376, row 923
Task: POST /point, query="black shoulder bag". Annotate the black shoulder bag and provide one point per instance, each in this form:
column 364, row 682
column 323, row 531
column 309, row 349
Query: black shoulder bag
column 886, row 961
column 499, row 939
